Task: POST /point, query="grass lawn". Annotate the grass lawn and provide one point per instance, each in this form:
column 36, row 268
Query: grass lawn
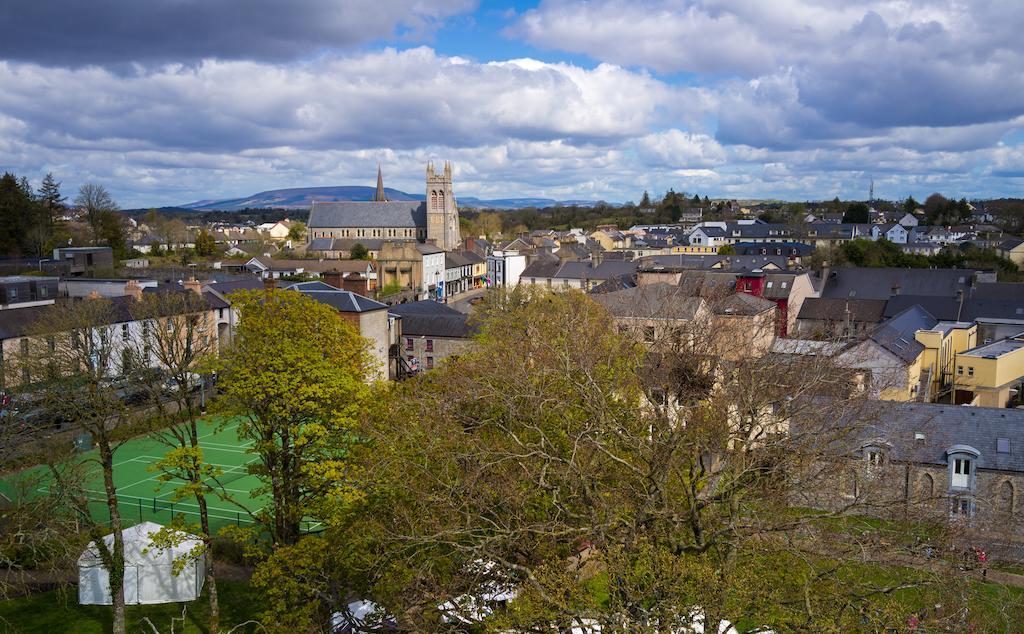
column 58, row 611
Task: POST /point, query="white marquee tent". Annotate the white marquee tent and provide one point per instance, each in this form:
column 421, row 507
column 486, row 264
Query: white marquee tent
column 148, row 570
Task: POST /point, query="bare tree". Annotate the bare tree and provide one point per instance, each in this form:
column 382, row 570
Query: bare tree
column 96, row 201
column 68, row 365
column 169, row 355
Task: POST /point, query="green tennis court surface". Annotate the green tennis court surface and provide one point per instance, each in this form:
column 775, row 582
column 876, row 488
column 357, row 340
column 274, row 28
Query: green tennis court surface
column 141, row 495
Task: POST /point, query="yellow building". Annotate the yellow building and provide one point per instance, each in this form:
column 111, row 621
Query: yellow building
column 990, row 375
column 694, row 249
column 942, row 343
column 1013, row 249
column 611, row 238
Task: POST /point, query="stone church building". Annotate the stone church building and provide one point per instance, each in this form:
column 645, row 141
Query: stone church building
column 434, row 221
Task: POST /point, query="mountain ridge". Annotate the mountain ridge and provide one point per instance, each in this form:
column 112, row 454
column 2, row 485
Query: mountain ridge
column 303, row 197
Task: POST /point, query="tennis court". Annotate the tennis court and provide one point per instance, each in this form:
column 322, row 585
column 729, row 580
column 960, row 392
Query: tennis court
column 141, row 495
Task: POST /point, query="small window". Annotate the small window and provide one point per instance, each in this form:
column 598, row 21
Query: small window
column 769, row 284
column 43, row 291
column 408, row 343
column 1003, row 445
column 960, row 370
column 970, row 370
column 124, row 331
column 430, row 363
column 918, row 435
column 784, row 284
column 430, row 345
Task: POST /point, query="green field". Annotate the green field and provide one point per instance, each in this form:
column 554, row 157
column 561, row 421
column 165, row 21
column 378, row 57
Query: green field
column 142, row 497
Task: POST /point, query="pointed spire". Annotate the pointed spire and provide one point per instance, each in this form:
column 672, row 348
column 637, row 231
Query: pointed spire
column 379, row 197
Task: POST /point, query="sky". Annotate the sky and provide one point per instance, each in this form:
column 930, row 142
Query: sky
column 166, row 102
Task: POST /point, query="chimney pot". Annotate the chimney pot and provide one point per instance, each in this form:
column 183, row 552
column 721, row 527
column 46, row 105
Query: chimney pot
column 133, row 289
column 192, row 284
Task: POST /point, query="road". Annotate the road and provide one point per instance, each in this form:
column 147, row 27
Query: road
column 461, row 301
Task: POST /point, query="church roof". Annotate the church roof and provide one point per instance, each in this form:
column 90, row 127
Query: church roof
column 392, row 213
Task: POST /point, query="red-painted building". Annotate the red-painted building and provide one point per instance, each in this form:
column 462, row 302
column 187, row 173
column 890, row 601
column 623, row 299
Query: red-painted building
column 775, row 287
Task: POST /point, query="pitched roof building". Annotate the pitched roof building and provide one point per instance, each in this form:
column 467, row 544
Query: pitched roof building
column 434, row 220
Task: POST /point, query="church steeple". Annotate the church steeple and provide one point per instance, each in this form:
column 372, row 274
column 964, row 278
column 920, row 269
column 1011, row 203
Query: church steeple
column 379, row 196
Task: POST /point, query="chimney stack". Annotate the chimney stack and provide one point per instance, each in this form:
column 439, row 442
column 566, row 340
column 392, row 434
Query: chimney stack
column 191, row 284
column 133, row 289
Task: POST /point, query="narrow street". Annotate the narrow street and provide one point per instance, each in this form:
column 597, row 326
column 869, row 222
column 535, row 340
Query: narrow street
column 461, row 302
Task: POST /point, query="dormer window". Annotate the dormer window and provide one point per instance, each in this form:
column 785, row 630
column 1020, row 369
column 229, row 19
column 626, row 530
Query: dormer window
column 963, row 463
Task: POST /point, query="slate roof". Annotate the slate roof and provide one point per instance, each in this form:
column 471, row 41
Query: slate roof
column 392, row 213
column 432, row 319
column 1011, row 243
column 651, row 301
column 998, row 290
column 604, row 271
column 897, row 334
column 834, row 309
column 19, row 322
column 878, row 283
column 454, row 259
column 943, row 427
column 344, row 301
column 705, row 262
column 541, row 268
column 948, row 308
column 248, row 284
column 346, row 244
column 743, row 304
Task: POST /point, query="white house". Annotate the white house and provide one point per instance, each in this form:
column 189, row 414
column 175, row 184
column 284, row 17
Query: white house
column 895, row 233
column 433, row 272
column 909, row 220
column 505, row 267
column 148, row 570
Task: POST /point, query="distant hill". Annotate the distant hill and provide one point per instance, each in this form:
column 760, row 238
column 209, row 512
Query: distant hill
column 303, row 197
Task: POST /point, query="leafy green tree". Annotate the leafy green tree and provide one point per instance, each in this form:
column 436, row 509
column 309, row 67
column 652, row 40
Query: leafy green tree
column 857, row 212
column 910, row 205
column 662, row 468
column 296, row 377
column 15, row 208
column 645, row 202
column 297, row 231
column 206, row 245
column 359, row 252
column 726, row 249
column 110, row 231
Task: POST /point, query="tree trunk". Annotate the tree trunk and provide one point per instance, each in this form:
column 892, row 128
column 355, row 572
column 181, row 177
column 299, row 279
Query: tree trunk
column 211, row 581
column 116, row 565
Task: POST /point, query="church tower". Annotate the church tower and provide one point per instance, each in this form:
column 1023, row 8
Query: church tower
column 378, row 196
column 442, row 211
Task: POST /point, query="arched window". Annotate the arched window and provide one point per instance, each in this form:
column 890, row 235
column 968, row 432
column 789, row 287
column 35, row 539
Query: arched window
column 1007, row 494
column 433, row 200
column 926, row 485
